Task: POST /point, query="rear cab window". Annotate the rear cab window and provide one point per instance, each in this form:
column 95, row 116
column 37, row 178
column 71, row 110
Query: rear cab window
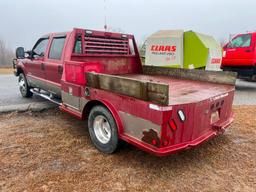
column 240, row 41
column 78, row 45
column 56, row 48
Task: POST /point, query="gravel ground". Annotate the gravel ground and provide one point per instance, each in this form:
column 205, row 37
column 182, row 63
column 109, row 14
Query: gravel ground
column 51, row 151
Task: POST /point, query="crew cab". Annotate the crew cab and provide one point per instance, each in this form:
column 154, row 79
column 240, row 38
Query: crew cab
column 239, row 55
column 98, row 77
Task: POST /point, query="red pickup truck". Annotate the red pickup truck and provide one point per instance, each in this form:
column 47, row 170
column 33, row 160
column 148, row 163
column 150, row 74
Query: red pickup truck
column 239, row 55
column 98, row 77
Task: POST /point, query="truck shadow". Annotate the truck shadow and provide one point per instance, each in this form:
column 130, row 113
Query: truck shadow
column 196, row 156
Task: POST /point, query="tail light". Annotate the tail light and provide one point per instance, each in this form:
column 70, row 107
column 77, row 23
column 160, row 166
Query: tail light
column 172, row 125
column 154, row 142
column 166, row 142
column 172, row 122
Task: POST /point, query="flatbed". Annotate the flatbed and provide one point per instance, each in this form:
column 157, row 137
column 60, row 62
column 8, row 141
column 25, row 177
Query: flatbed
column 184, row 91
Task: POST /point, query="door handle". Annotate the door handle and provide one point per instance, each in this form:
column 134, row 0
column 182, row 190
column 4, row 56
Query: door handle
column 42, row 66
column 60, row 69
column 248, row 50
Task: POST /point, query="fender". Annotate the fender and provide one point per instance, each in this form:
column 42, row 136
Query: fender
column 20, row 67
column 116, row 116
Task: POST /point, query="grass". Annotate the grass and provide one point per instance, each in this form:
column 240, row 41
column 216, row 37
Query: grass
column 6, row 70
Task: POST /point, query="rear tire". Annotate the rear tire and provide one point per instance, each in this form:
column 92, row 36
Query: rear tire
column 103, row 130
column 253, row 78
column 23, row 86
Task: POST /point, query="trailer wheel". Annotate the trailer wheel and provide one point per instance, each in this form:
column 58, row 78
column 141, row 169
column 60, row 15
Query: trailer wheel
column 103, row 129
column 23, row 86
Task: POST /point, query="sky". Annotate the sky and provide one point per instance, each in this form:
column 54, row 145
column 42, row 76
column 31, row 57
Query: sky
column 22, row 22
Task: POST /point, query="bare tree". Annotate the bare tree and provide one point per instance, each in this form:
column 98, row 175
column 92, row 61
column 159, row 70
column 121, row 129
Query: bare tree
column 6, row 55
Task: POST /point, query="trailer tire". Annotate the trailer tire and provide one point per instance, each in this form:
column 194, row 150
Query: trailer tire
column 103, row 129
column 23, row 86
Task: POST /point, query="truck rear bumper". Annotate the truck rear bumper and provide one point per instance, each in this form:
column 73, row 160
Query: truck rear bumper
column 243, row 72
column 217, row 129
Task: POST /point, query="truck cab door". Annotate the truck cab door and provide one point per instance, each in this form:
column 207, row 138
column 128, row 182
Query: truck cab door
column 240, row 50
column 35, row 63
column 54, row 63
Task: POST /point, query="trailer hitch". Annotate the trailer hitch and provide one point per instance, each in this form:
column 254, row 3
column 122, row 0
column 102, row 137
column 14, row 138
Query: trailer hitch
column 221, row 127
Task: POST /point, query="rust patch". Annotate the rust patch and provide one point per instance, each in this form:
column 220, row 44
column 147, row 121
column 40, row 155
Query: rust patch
column 187, row 92
column 150, row 137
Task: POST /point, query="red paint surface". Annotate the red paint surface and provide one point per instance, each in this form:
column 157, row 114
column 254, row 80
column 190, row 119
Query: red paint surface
column 196, row 128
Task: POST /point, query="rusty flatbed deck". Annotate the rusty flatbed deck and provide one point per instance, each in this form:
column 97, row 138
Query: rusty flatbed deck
column 166, row 86
column 182, row 91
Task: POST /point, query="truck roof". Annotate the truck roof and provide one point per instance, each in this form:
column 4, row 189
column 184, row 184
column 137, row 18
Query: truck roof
column 89, row 31
column 55, row 34
column 251, row 33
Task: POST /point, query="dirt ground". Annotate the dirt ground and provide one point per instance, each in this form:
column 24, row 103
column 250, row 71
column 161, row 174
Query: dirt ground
column 6, row 71
column 51, row 151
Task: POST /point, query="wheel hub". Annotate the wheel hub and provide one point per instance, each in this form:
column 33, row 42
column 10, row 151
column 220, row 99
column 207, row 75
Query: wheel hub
column 22, row 85
column 102, row 129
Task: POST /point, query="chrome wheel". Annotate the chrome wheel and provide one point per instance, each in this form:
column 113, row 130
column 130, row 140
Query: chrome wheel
column 22, row 85
column 102, row 129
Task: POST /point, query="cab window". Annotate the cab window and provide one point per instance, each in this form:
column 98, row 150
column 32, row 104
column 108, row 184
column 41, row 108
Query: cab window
column 40, row 47
column 57, row 48
column 241, row 41
column 78, row 46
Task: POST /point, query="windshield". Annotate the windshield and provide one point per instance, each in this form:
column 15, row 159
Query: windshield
column 240, row 41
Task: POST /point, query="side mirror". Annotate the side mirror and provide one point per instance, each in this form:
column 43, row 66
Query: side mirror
column 28, row 54
column 20, row 53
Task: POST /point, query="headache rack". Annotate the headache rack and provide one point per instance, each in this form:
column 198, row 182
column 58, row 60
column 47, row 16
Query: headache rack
column 104, row 43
